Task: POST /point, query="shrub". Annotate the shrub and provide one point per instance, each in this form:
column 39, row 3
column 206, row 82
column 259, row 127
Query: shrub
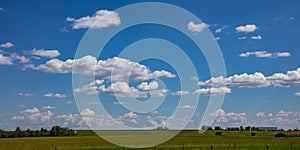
column 218, row 133
column 252, row 134
column 280, row 134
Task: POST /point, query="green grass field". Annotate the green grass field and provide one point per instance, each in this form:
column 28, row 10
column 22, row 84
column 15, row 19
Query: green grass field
column 185, row 140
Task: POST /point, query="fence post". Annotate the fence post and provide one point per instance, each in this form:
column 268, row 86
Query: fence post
column 291, row 146
column 267, row 147
column 233, row 146
column 211, row 147
column 183, row 147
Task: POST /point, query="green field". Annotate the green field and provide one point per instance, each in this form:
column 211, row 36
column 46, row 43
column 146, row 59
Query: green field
column 230, row 140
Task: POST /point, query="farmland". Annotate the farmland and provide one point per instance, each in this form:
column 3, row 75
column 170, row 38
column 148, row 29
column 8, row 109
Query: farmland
column 184, row 140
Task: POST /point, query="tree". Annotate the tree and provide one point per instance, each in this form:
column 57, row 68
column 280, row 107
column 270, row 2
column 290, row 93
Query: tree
column 18, row 132
column 241, row 128
column 248, row 128
column 218, row 128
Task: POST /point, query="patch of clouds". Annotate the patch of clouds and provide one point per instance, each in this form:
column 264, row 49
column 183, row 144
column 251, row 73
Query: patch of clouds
column 26, row 94
column 55, row 95
column 258, row 37
column 180, row 93
column 230, row 118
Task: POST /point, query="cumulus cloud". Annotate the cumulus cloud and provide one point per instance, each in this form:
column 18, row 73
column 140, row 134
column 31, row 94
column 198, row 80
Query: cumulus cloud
column 91, row 88
column 180, row 93
column 100, row 19
column 55, row 95
column 122, row 89
column 35, row 115
column 291, row 78
column 258, row 37
column 25, row 94
column 6, row 45
column 231, row 117
column 115, row 69
column 256, row 80
column 282, row 119
column 144, row 86
column 265, row 54
column 212, row 91
column 244, row 80
column 196, row 27
column 129, row 117
column 10, row 58
column 45, row 53
column 18, row 118
column 246, row 28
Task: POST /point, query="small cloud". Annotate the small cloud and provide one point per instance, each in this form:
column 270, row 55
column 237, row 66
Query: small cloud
column 6, row 45
column 154, row 112
column 57, row 95
column 265, row 54
column 218, row 38
column 180, row 93
column 196, row 27
column 45, row 53
column 48, row 107
column 258, row 37
column 297, row 93
column 246, row 28
column 219, row 30
column 242, row 38
column 291, row 18
column 194, row 78
column 63, row 29
column 119, row 103
column 100, row 19
column 69, row 102
column 2, row 9
column 186, row 107
column 212, row 91
column 25, row 94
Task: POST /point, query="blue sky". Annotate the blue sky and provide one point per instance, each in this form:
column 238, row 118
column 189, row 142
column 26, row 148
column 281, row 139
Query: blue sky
column 39, row 40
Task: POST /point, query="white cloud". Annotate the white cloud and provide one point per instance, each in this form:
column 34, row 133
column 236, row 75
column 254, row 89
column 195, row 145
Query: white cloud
column 218, row 38
column 91, row 88
column 159, row 93
column 258, row 37
column 297, row 93
column 180, row 93
column 115, row 69
column 291, row 78
column 144, row 86
column 212, row 91
column 101, row 19
column 87, row 112
column 219, row 30
column 186, row 107
column 196, row 27
column 4, row 60
column 119, row 103
column 18, row 117
column 55, row 95
column 246, row 28
column 122, row 89
column 6, row 45
column 25, row 94
column 282, row 119
column 242, row 37
column 265, row 54
column 244, row 80
column 69, row 102
column 129, row 117
column 2, row 9
column 35, row 115
column 45, row 53
column 231, row 117
column 48, row 107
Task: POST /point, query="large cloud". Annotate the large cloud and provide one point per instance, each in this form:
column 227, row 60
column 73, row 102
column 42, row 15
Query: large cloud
column 243, row 81
column 101, row 19
column 113, row 69
column 10, row 58
column 229, row 118
column 291, row 78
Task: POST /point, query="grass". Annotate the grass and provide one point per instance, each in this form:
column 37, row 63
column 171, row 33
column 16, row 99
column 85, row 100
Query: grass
column 86, row 140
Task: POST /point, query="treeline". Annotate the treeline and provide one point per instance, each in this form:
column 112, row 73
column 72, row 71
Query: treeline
column 241, row 128
column 55, row 131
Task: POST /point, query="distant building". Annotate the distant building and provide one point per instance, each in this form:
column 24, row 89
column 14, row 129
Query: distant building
column 267, row 128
